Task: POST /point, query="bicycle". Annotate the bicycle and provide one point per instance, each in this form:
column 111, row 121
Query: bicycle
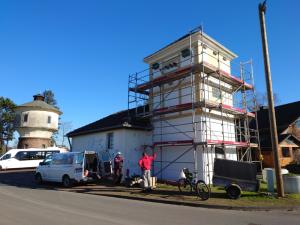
column 188, row 183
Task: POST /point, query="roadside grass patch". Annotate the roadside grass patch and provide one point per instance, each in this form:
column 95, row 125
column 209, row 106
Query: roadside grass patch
column 248, row 199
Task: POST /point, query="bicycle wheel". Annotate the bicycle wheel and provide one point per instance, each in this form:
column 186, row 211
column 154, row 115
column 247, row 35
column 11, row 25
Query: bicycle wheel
column 202, row 190
column 184, row 186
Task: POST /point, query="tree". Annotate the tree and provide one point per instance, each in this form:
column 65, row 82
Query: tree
column 50, row 98
column 7, row 118
column 64, row 128
column 261, row 100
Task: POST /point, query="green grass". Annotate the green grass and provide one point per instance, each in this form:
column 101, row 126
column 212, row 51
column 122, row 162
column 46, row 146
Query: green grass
column 219, row 197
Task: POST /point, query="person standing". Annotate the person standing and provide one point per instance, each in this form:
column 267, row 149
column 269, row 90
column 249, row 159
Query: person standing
column 118, row 166
column 145, row 164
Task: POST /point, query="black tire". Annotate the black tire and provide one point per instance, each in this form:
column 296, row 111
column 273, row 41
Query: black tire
column 233, row 192
column 38, row 178
column 66, row 181
column 202, row 190
column 184, row 186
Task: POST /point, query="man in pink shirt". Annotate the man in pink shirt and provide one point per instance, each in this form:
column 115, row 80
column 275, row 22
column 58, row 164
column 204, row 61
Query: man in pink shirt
column 145, row 163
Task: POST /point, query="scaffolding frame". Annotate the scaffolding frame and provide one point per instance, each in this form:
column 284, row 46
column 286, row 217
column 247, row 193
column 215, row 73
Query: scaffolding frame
column 148, row 89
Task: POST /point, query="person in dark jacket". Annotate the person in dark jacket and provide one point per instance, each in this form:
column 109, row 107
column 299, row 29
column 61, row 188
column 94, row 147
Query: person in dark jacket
column 118, row 166
column 145, row 164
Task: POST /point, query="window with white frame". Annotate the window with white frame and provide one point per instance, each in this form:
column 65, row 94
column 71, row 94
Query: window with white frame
column 216, row 93
column 110, row 140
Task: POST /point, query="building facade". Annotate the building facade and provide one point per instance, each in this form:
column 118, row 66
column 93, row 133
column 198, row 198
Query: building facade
column 112, row 134
column 190, row 92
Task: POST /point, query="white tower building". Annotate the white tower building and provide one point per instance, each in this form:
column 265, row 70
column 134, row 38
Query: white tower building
column 36, row 122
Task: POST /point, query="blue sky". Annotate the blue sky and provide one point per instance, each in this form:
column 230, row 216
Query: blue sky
column 84, row 50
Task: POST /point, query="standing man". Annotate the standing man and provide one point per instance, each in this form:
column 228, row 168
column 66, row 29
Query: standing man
column 145, row 163
column 118, row 166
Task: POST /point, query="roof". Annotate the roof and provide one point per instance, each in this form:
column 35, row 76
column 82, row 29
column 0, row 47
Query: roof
column 40, row 105
column 195, row 32
column 285, row 116
column 124, row 119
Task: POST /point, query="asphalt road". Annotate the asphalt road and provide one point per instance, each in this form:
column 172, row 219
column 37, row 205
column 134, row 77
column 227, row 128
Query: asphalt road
column 25, row 205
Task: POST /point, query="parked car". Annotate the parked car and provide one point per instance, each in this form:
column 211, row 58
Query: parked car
column 25, row 158
column 69, row 168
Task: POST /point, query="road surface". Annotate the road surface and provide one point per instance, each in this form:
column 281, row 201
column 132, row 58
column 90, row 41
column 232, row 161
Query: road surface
column 31, row 206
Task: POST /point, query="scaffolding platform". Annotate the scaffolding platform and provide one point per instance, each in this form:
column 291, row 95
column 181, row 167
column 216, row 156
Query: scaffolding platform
column 183, row 72
column 208, row 142
column 207, row 104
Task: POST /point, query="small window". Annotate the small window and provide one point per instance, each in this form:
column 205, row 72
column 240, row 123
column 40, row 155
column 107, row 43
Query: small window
column 155, row 66
column 43, row 146
column 25, row 118
column 110, row 140
column 185, row 53
column 25, row 146
column 216, row 93
column 285, row 152
column 22, row 156
column 49, row 119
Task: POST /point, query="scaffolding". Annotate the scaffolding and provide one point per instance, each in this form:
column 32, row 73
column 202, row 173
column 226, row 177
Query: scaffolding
column 197, row 84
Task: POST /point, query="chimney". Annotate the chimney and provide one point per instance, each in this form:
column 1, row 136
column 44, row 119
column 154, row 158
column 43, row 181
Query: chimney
column 38, row 97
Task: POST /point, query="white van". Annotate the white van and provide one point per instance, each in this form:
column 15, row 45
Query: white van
column 68, row 168
column 26, row 158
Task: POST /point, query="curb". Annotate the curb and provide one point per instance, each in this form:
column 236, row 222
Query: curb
column 191, row 204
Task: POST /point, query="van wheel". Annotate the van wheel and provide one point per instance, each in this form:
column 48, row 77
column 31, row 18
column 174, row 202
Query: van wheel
column 66, row 181
column 38, row 178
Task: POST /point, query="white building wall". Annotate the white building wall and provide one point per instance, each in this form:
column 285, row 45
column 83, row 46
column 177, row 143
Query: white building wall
column 37, row 123
column 128, row 142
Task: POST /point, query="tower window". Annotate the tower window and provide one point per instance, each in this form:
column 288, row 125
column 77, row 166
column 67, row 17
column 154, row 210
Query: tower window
column 25, row 118
column 185, row 53
column 49, row 119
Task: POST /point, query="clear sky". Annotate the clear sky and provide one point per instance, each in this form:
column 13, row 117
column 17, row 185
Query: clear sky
column 84, row 50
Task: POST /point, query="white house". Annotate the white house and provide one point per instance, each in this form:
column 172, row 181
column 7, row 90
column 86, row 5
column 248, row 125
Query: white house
column 186, row 104
column 112, row 134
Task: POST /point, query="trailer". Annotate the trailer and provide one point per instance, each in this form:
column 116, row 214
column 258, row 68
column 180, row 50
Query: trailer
column 235, row 177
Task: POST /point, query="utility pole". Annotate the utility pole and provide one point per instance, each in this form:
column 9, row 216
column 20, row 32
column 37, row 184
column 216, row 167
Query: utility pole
column 273, row 127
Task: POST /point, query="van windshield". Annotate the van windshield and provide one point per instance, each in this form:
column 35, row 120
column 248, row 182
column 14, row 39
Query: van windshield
column 59, row 159
column 6, row 156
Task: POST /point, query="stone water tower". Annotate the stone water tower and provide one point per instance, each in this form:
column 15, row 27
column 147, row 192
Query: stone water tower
column 36, row 122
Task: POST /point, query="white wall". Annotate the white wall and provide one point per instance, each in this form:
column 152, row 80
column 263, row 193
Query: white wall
column 205, row 161
column 37, row 123
column 127, row 141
